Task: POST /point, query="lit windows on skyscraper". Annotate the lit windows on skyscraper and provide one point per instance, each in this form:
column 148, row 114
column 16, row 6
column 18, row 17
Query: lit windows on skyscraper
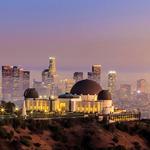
column 14, row 82
column 48, row 75
column 112, row 75
column 95, row 75
column 52, row 65
column 142, row 86
column 125, row 91
column 96, row 69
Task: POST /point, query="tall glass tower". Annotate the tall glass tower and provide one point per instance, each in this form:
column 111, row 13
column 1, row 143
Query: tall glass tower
column 112, row 76
column 52, row 65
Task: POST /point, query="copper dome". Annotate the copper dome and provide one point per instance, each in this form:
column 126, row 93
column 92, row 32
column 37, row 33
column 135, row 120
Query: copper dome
column 31, row 93
column 104, row 95
column 85, row 87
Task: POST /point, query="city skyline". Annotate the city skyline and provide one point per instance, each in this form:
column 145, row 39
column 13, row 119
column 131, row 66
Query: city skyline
column 74, row 74
column 77, row 33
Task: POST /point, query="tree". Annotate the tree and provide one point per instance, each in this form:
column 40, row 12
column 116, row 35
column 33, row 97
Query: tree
column 8, row 106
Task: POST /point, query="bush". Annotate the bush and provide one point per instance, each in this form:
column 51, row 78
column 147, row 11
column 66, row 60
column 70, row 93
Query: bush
column 54, row 128
column 25, row 141
column 67, row 123
column 115, row 139
column 3, row 133
column 10, row 135
column 2, row 122
column 137, row 146
column 27, row 137
column 15, row 144
column 145, row 133
column 17, row 130
column 122, row 126
column 16, row 123
column 109, row 127
column 120, row 147
column 87, row 142
column 37, row 126
column 37, row 144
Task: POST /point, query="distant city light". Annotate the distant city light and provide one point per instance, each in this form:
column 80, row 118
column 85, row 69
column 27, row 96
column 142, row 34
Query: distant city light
column 138, row 91
column 112, row 71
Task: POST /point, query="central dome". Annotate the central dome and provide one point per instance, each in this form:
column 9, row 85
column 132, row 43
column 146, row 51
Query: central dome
column 31, row 93
column 85, row 87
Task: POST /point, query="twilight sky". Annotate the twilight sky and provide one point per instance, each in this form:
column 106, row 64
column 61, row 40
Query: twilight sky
column 114, row 33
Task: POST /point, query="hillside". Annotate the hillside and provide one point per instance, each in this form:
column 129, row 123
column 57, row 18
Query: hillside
column 73, row 134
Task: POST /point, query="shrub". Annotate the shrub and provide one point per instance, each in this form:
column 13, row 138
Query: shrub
column 115, row 139
column 54, row 128
column 17, row 130
column 32, row 125
column 25, row 141
column 145, row 133
column 109, row 127
column 122, row 126
column 120, row 147
column 67, row 123
column 2, row 122
column 27, row 137
column 37, row 144
column 3, row 133
column 10, row 135
column 15, row 144
column 87, row 142
column 137, row 146
column 16, row 123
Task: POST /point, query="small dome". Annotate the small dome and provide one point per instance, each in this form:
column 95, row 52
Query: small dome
column 31, row 93
column 85, row 87
column 68, row 95
column 104, row 95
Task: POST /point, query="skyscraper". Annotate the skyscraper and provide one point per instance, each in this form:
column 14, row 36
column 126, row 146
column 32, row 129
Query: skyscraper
column 48, row 75
column 91, row 76
column 68, row 84
column 142, row 86
column 78, row 76
column 52, row 65
column 125, row 91
column 14, row 82
column 95, row 74
column 44, row 91
column 96, row 69
column 112, row 75
column 26, row 80
column 7, row 82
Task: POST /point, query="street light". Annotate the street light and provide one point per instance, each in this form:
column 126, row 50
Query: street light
column 2, row 110
column 16, row 109
column 52, row 97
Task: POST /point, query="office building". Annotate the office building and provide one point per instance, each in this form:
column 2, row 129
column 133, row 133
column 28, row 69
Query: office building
column 49, row 75
column 142, row 86
column 78, row 76
column 125, row 91
column 96, row 69
column 14, row 81
column 112, row 75
column 95, row 75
